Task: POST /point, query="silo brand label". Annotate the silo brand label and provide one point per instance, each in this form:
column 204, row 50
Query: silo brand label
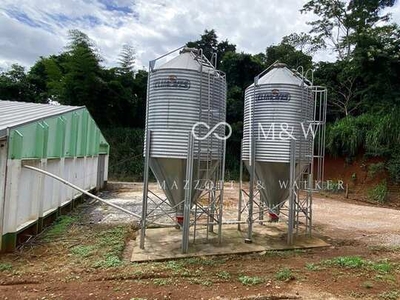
column 274, row 95
column 172, row 82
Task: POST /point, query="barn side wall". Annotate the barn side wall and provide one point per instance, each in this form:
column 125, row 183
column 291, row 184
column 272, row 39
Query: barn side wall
column 69, row 146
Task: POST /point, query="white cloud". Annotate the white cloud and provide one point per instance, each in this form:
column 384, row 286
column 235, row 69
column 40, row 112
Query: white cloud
column 36, row 28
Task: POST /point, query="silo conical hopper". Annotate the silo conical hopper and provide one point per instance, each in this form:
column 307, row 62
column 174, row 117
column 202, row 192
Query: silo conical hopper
column 182, row 92
column 280, row 98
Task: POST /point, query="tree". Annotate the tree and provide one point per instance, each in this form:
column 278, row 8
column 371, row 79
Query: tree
column 304, row 42
column 240, row 68
column 210, row 45
column 344, row 86
column 82, row 81
column 14, row 85
column 127, row 59
column 287, row 54
column 338, row 21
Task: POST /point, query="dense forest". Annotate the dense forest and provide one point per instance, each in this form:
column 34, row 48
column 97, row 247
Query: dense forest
column 363, row 83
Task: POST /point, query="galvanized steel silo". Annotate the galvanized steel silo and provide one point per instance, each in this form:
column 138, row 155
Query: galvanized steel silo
column 182, row 92
column 274, row 111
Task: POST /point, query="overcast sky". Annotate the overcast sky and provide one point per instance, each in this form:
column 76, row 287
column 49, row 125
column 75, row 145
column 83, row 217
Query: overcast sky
column 33, row 28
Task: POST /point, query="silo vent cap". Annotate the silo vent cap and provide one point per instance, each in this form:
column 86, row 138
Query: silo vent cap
column 279, row 65
column 188, row 49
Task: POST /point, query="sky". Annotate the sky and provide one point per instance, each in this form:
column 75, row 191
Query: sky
column 33, row 28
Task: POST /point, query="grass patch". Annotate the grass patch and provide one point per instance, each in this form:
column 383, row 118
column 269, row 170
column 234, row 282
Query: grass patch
column 203, row 261
column 110, row 261
column 59, row 227
column 391, row 295
column 378, row 193
column 388, row 278
column 201, row 281
column 109, row 245
column 83, row 251
column 247, row 280
column 285, row 253
column 313, row 267
column 5, row 267
column 284, row 274
column 383, row 267
column 223, row 275
column 175, row 266
column 162, row 281
column 346, row 262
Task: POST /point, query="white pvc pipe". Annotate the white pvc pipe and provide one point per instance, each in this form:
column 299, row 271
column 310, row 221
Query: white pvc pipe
column 111, row 204
column 83, row 191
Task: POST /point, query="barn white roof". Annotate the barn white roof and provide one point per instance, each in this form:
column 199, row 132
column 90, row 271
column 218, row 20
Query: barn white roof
column 15, row 113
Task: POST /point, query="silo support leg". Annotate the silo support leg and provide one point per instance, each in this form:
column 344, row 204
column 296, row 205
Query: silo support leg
column 240, row 190
column 188, row 196
column 145, row 190
column 250, row 217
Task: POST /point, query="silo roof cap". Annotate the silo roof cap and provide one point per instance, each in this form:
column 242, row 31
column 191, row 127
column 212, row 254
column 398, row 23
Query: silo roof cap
column 188, row 59
column 280, row 74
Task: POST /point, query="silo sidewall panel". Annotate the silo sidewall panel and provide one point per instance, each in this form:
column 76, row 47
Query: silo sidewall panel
column 173, row 109
column 270, row 115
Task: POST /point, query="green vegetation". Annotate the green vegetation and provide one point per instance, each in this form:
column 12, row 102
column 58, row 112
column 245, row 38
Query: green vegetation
column 83, row 251
column 374, row 169
column 109, row 261
column 173, row 265
column 162, row 281
column 126, row 159
column 201, row 281
column 247, row 280
column 284, row 253
column 391, row 295
column 223, row 275
column 346, row 262
column 5, row 267
column 204, row 261
column 378, row 193
column 110, row 245
column 60, row 227
column 284, row 274
column 382, row 268
column 313, row 267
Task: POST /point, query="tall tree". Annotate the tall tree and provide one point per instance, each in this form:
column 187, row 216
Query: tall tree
column 127, row 59
column 289, row 55
column 15, row 85
column 210, row 45
column 304, row 42
column 83, row 84
column 339, row 20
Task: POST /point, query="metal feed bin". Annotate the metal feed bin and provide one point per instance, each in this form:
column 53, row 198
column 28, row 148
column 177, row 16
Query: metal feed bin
column 282, row 111
column 186, row 98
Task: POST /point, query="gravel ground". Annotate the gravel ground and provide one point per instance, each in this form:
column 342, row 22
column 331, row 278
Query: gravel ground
column 333, row 218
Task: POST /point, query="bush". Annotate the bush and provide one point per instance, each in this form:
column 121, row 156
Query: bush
column 379, row 192
column 374, row 169
column 344, row 137
column 393, row 166
column 126, row 153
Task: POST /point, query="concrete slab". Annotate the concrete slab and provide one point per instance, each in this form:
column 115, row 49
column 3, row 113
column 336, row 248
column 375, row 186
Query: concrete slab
column 165, row 243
